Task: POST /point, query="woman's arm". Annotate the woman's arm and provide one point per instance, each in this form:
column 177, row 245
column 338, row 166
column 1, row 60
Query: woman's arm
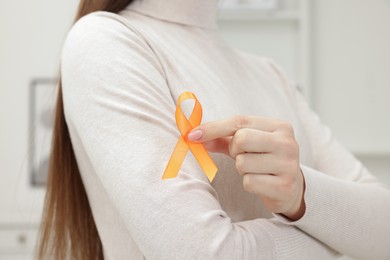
column 117, row 101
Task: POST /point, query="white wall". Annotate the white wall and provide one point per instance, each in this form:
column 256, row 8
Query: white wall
column 31, row 34
column 351, row 76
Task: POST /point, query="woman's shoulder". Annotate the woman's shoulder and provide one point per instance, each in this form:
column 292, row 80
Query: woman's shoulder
column 103, row 35
column 99, row 25
column 102, row 45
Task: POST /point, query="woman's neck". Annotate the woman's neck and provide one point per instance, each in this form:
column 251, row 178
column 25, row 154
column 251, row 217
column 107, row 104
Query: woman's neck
column 201, row 13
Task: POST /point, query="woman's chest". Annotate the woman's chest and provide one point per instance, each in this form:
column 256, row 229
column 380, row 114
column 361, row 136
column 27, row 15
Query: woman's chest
column 226, row 84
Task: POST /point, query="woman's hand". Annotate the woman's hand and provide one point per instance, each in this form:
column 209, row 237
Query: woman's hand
column 267, row 156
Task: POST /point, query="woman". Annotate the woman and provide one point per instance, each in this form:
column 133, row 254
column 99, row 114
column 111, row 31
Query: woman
column 285, row 189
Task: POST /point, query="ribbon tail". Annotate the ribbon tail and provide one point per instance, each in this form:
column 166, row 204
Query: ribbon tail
column 206, row 163
column 176, row 160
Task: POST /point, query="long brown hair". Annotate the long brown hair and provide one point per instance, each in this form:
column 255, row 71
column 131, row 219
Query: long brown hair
column 68, row 230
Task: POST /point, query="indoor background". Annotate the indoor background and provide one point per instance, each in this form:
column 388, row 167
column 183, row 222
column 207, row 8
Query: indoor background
column 336, row 51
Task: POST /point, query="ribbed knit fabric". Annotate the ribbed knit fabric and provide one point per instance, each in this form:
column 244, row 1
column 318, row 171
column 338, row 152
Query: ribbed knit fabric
column 122, row 74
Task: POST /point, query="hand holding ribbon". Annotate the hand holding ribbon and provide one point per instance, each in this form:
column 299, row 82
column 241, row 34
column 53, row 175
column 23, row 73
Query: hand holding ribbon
column 267, row 156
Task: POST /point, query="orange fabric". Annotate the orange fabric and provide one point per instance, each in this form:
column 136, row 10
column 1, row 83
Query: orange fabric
column 183, row 144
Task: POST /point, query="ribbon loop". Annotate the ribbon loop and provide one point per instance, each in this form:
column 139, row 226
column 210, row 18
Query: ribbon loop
column 183, row 144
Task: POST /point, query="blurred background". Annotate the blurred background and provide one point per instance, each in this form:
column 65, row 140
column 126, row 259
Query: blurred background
column 336, row 51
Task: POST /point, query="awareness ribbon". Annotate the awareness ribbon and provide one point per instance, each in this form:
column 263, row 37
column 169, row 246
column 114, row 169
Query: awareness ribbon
column 183, row 144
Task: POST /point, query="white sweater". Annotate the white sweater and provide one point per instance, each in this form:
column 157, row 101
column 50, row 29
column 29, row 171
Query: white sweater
column 122, row 75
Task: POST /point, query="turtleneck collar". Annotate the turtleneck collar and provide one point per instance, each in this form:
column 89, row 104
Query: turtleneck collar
column 201, row 13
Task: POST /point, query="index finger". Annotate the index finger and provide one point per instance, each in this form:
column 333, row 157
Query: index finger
column 228, row 127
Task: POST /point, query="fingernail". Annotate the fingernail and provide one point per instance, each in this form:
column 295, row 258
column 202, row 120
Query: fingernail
column 195, row 135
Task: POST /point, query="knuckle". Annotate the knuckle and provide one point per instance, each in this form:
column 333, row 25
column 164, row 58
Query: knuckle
column 283, row 141
column 292, row 151
column 286, row 127
column 289, row 145
column 289, row 128
column 240, row 121
column 290, row 165
column 288, row 186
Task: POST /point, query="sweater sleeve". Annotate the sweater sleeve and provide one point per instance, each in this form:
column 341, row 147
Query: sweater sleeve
column 346, row 207
column 117, row 100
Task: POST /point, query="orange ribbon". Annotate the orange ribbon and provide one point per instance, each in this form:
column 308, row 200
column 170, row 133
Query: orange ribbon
column 183, row 144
